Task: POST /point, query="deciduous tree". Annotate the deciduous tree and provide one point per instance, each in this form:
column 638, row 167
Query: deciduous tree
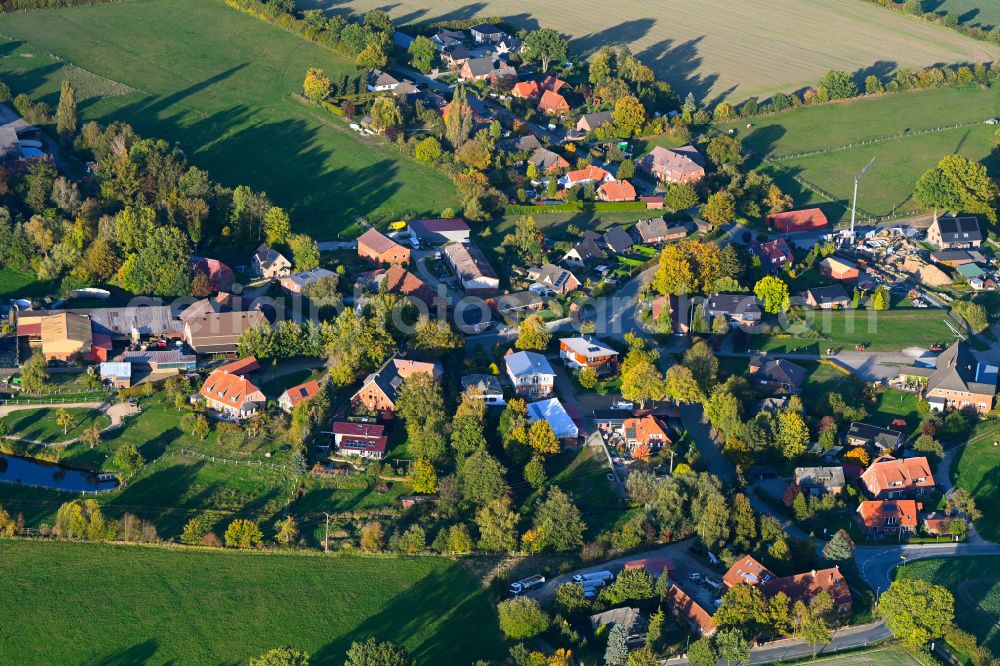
column 533, row 334
column 545, row 45
column 243, row 533
column 522, row 618
column 773, row 293
column 916, row 611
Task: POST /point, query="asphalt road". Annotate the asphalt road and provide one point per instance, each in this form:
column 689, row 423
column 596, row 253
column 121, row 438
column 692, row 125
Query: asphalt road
column 878, row 562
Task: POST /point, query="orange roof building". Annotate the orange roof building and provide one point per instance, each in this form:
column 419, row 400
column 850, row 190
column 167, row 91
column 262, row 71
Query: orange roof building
column 878, row 517
column 805, row 586
column 616, row 190
column 527, row 90
column 647, row 430
column 591, row 174
column 687, row 609
column 297, row 394
column 798, row 220
column 232, row 395
column 892, row 478
column 241, row 366
column 381, row 249
column 554, row 84
column 553, row 103
column 747, row 570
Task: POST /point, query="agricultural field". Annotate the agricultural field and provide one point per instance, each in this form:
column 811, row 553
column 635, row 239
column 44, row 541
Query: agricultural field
column 735, row 49
column 888, row 186
column 40, row 425
column 229, row 107
column 975, row 583
column 976, row 467
column 184, row 607
column 981, row 13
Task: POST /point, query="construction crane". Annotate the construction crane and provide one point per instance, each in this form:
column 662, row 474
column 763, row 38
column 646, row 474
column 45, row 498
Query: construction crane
column 854, row 204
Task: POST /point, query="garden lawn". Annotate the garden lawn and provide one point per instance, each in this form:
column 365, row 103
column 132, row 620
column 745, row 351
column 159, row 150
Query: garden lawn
column 40, row 425
column 220, row 84
column 133, row 605
column 976, row 467
column 824, row 378
column 975, row 584
column 584, row 477
column 15, row 284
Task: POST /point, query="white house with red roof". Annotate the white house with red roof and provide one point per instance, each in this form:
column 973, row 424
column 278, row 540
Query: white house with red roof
column 366, row 440
column 231, row 395
column 295, row 395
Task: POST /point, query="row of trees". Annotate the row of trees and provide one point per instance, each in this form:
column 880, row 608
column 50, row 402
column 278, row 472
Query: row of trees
column 837, row 84
column 137, row 222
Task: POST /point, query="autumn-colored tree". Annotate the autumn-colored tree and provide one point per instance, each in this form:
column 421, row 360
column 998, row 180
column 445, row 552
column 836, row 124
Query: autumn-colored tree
column 317, row 85
column 542, row 439
column 533, row 334
column 629, row 114
column 641, row 452
column 858, row 455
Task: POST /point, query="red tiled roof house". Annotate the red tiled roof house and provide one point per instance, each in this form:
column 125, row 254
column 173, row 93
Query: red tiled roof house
column 880, row 517
column 366, row 440
column 616, row 190
column 894, row 478
column 381, row 249
column 297, row 394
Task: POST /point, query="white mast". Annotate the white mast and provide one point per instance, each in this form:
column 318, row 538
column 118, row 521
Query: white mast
column 854, row 204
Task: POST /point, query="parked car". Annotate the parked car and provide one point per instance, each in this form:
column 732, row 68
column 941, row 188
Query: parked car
column 694, row 577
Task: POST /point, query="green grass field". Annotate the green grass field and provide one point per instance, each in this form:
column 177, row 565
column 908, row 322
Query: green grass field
column 181, row 70
column 40, row 424
column 888, row 656
column 889, row 330
column 977, row 469
column 975, row 584
column 98, row 604
column 898, row 164
column 982, row 13
column 15, row 284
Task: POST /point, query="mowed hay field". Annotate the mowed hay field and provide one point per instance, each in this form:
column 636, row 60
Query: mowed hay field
column 67, row 603
column 889, row 184
column 716, row 48
column 220, row 83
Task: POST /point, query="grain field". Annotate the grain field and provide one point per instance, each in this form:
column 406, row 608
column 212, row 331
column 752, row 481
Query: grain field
column 722, row 48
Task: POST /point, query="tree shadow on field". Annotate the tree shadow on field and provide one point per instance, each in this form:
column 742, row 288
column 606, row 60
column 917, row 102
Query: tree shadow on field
column 437, row 599
column 678, row 63
column 140, row 653
column 763, row 140
column 623, row 33
column 6, row 48
column 883, row 69
column 158, row 104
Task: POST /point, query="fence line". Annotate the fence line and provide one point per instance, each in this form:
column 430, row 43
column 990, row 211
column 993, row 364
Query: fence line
column 245, row 463
column 868, row 142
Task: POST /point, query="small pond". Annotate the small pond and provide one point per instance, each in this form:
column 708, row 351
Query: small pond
column 42, row 474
